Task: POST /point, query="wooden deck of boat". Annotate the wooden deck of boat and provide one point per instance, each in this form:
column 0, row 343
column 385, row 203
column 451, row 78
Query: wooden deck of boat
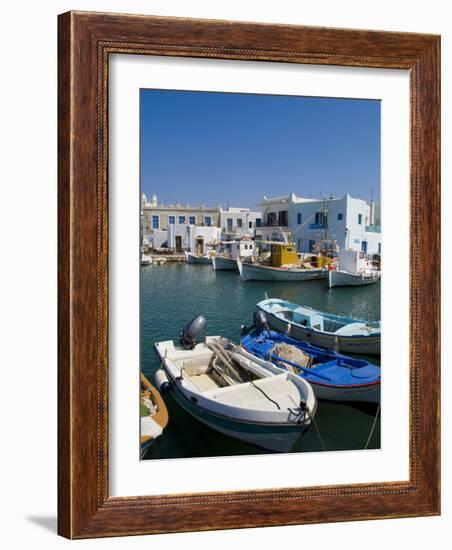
column 161, row 417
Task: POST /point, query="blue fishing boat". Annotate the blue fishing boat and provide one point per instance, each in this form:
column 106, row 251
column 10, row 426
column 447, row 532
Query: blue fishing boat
column 332, row 376
column 326, row 330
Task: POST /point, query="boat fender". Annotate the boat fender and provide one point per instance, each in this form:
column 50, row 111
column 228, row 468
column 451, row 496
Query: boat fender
column 244, row 330
column 162, row 382
column 191, row 331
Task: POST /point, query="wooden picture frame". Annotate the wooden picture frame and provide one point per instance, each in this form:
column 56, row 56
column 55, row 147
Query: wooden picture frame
column 86, row 40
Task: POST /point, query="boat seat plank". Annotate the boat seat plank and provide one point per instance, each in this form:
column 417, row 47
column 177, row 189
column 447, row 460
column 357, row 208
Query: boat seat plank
column 250, row 397
column 204, row 382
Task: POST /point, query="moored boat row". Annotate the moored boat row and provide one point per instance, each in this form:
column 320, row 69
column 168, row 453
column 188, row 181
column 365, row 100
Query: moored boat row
column 264, row 390
column 282, row 264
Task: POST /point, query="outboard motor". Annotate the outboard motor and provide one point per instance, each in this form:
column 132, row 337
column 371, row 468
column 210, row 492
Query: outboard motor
column 192, row 331
column 260, row 321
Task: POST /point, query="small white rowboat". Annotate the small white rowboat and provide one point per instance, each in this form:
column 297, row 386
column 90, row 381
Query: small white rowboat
column 325, row 330
column 231, row 392
column 222, row 263
column 197, row 259
column 345, row 278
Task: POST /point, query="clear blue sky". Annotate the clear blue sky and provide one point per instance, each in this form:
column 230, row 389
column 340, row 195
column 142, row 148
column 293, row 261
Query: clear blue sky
column 234, row 148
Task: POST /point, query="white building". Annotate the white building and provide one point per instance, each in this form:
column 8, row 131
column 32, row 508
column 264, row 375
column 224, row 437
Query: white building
column 179, row 237
column 178, row 227
column 239, row 222
column 156, row 216
column 352, row 223
column 173, row 225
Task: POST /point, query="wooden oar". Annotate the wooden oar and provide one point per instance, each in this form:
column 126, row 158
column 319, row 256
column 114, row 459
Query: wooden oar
column 222, row 353
column 306, row 371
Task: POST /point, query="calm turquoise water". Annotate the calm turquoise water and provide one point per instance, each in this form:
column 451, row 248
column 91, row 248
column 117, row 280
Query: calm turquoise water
column 172, row 294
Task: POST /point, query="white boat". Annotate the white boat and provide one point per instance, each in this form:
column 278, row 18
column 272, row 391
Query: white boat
column 145, row 260
column 338, row 277
column 257, row 272
column 223, row 263
column 202, row 259
column 231, row 392
column 230, row 251
column 325, row 330
column 354, row 270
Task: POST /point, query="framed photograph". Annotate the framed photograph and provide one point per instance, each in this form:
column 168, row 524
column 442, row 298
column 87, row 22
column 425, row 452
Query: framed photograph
column 248, row 275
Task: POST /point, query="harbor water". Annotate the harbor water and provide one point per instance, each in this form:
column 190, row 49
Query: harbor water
column 172, row 294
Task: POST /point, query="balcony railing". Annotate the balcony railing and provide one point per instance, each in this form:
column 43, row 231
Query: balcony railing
column 373, row 228
column 316, row 226
column 270, row 224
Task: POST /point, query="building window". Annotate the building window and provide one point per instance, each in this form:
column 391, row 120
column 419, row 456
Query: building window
column 171, row 220
column 208, row 220
column 229, row 224
column 192, row 220
column 250, row 225
column 360, row 219
column 239, row 223
column 379, row 248
column 258, row 222
column 299, row 218
column 340, row 217
column 181, row 219
column 282, row 218
column 155, row 222
column 271, row 219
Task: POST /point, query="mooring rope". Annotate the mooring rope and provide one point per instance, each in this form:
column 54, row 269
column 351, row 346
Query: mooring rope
column 316, row 428
column 373, row 426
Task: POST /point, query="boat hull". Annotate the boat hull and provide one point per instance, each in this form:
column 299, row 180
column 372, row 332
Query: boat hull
column 351, row 394
column 224, row 264
column 200, row 260
column 365, row 345
column 277, row 438
column 344, row 278
column 253, row 272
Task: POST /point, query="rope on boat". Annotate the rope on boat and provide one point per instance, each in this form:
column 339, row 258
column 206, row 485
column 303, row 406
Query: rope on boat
column 316, row 428
column 373, row 426
column 265, row 395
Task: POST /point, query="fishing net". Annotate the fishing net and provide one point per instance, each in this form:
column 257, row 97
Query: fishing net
column 292, row 354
